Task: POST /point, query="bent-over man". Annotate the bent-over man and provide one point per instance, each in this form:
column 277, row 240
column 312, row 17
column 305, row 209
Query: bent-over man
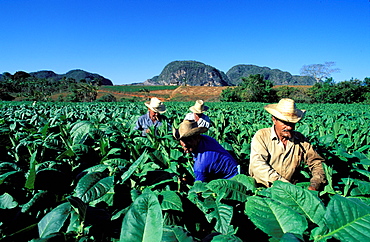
column 211, row 160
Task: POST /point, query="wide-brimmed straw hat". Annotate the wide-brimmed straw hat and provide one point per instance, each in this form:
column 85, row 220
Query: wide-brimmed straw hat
column 285, row 110
column 198, row 107
column 156, row 105
column 188, row 128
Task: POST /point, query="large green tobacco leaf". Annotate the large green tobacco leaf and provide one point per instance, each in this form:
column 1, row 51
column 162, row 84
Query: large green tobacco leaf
column 229, row 189
column 7, row 201
column 54, row 220
column 171, row 201
column 80, row 131
column 176, row 234
column 142, row 159
column 226, row 238
column 92, row 186
column 274, row 218
column 8, row 175
column 348, row 219
column 30, row 182
column 222, row 213
column 301, row 200
column 363, row 187
column 247, row 181
column 143, row 221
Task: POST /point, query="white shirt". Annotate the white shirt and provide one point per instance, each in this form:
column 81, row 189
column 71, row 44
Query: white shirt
column 204, row 121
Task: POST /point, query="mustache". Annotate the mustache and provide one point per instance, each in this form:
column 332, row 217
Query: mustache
column 285, row 130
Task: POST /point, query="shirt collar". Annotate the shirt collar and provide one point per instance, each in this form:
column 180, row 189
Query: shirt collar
column 275, row 137
column 273, row 134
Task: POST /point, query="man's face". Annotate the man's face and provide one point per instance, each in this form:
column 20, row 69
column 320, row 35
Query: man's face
column 153, row 115
column 283, row 129
column 189, row 144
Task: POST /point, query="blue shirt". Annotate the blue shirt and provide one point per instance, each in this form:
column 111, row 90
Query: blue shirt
column 212, row 161
column 144, row 122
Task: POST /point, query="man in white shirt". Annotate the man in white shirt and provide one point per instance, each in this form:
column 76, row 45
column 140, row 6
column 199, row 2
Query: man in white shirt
column 198, row 115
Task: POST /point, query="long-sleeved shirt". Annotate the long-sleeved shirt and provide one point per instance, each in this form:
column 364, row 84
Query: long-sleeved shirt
column 212, row 161
column 271, row 161
column 144, row 122
column 204, row 121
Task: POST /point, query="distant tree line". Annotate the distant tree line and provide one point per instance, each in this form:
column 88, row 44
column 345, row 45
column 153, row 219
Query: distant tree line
column 30, row 88
column 255, row 88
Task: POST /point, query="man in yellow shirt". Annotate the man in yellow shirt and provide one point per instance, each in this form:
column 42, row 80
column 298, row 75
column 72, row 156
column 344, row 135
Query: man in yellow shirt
column 277, row 152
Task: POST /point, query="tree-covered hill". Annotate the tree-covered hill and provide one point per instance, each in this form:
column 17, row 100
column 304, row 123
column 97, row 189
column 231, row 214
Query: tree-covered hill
column 76, row 75
column 199, row 74
column 191, row 73
column 276, row 76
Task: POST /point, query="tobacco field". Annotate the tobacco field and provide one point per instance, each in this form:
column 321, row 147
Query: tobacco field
column 80, row 172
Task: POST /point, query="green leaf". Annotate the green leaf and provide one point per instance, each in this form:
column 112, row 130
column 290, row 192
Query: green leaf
column 176, row 234
column 363, row 158
column 247, row 181
column 229, row 189
column 30, row 182
column 363, row 188
column 53, row 221
column 79, row 205
column 289, row 237
column 7, row 201
column 274, row 218
column 142, row 159
column 348, row 219
column 226, row 238
column 299, row 199
column 223, row 214
column 35, row 200
column 143, row 221
column 92, row 186
column 80, row 131
column 171, row 201
column 327, row 139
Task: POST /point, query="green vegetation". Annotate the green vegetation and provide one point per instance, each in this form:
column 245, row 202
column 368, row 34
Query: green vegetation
column 79, row 172
column 253, row 89
column 256, row 89
column 31, row 88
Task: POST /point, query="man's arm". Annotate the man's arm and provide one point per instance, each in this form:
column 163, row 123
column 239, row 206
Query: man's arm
column 314, row 162
column 203, row 123
column 259, row 166
column 140, row 126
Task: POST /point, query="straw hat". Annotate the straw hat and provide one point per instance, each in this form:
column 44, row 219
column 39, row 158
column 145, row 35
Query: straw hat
column 285, row 110
column 187, row 128
column 156, row 105
column 198, row 107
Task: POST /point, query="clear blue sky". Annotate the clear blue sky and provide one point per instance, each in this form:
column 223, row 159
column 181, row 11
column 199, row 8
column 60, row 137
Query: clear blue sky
column 130, row 41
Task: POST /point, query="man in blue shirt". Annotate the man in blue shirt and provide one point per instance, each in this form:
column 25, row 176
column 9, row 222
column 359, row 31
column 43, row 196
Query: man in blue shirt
column 152, row 118
column 211, row 160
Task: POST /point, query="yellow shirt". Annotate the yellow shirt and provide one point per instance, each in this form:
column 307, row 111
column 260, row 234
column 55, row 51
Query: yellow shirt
column 271, row 161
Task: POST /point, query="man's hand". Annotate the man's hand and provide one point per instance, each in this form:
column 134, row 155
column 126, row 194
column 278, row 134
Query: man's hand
column 312, row 188
column 314, row 184
column 197, row 116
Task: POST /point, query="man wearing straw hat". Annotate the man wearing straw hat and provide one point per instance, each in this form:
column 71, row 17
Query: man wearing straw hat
column 211, row 160
column 153, row 117
column 277, row 152
column 198, row 115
